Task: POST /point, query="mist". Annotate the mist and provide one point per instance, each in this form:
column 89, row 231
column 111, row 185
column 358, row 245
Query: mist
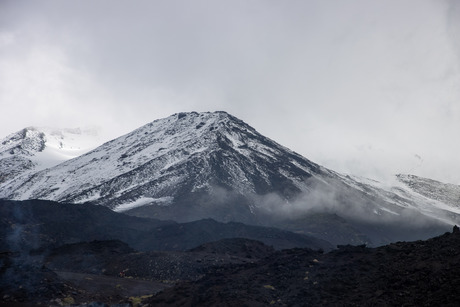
column 366, row 207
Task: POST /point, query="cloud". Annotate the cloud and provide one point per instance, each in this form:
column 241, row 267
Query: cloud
column 360, row 87
column 358, row 207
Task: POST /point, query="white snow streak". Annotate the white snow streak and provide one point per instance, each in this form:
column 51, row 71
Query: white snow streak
column 163, row 201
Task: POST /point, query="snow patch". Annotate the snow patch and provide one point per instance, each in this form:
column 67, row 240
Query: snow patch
column 388, row 210
column 162, row 201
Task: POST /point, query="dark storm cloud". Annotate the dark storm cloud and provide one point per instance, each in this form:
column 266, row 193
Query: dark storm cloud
column 362, row 86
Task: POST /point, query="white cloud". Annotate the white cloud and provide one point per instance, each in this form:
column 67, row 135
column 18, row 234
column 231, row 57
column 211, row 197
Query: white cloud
column 360, row 87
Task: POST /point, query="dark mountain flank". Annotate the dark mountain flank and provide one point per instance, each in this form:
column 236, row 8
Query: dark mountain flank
column 39, row 224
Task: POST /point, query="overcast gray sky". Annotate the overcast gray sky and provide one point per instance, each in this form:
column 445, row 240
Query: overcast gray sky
column 362, row 87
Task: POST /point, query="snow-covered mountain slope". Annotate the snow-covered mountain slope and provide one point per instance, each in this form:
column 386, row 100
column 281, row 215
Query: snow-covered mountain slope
column 184, row 153
column 445, row 193
column 36, row 148
column 197, row 165
column 418, row 194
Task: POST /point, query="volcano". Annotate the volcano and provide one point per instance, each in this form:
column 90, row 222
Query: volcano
column 191, row 166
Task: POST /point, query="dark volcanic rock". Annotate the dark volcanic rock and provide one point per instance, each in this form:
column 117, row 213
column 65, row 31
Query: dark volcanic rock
column 420, row 273
column 31, row 224
column 26, row 225
column 110, row 271
column 86, row 257
column 25, row 281
column 115, row 258
column 237, row 272
column 189, row 235
column 236, row 247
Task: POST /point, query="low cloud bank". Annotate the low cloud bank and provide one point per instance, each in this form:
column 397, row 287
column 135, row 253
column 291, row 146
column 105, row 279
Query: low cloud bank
column 365, row 206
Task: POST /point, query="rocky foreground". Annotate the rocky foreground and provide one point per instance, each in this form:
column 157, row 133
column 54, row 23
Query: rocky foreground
column 421, row 273
column 235, row 272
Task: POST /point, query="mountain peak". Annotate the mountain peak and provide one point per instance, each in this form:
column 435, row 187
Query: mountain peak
column 182, row 158
column 32, row 140
column 191, row 166
column 35, row 148
column 214, row 120
column 26, row 141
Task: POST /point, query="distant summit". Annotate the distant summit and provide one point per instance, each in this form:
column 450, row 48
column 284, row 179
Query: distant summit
column 35, row 148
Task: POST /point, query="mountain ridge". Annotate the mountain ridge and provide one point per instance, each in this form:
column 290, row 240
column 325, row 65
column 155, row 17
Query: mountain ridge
column 42, row 224
column 167, row 137
column 191, row 166
column 36, row 148
column 444, row 192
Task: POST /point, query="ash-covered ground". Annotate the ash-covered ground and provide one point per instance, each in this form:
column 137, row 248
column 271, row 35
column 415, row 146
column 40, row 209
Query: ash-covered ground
column 235, row 272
